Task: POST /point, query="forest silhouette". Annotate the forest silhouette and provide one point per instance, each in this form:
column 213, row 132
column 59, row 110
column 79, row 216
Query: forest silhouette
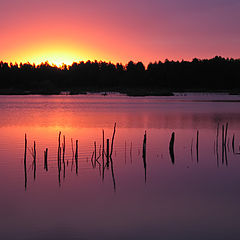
column 216, row 74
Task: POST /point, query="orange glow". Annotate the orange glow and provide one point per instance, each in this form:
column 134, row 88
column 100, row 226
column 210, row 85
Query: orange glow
column 55, row 53
column 38, row 42
column 68, row 31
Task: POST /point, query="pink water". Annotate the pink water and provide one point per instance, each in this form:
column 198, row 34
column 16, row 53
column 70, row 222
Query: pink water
column 187, row 200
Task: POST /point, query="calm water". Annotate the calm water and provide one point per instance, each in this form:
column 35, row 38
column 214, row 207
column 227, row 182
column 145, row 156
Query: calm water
column 197, row 197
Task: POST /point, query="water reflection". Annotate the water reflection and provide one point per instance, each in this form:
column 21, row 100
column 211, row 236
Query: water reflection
column 100, row 111
column 100, row 153
column 95, row 159
column 113, row 176
column 87, row 174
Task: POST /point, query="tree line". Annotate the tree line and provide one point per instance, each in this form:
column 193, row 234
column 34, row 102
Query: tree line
column 216, row 74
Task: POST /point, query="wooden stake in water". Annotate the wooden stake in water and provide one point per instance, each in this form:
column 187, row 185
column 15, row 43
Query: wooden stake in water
column 45, row 159
column 103, row 142
column 63, row 156
column 103, row 151
column 76, row 157
column 59, row 165
column 64, row 149
column 233, row 143
column 25, row 162
column 108, row 153
column 217, row 144
column 223, row 147
column 34, row 159
column 171, row 148
column 92, row 160
column 72, row 154
column 144, row 156
column 95, row 154
column 225, row 144
column 59, row 151
column 114, row 131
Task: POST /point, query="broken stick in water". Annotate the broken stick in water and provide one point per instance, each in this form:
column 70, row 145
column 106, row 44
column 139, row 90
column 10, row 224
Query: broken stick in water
column 114, row 131
column 45, row 159
column 144, row 156
column 76, row 157
column 171, row 148
column 25, row 162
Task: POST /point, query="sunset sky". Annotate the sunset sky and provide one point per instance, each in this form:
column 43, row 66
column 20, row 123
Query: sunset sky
column 118, row 31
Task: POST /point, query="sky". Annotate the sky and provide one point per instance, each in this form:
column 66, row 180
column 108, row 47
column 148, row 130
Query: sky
column 118, row 31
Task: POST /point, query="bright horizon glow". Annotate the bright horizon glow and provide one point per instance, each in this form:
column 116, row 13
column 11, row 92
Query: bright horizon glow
column 55, row 54
column 55, row 57
column 58, row 54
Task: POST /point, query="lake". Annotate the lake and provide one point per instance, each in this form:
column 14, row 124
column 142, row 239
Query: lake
column 155, row 184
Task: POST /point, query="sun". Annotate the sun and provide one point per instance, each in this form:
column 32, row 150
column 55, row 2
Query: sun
column 54, row 54
column 57, row 57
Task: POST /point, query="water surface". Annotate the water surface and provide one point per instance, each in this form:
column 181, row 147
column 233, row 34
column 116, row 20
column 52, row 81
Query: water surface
column 142, row 194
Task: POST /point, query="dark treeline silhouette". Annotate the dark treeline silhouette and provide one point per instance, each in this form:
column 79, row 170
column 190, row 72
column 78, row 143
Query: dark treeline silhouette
column 215, row 74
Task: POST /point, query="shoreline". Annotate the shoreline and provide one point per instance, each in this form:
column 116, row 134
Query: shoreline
column 130, row 93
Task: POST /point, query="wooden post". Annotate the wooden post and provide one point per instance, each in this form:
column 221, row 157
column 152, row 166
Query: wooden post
column 34, row 159
column 144, row 156
column 225, row 144
column 63, row 156
column 72, row 154
column 103, row 151
column 76, row 157
column 233, row 143
column 107, row 152
column 217, row 139
column 171, row 148
column 223, row 147
column 197, row 145
column 59, row 151
column 95, row 154
column 114, row 131
column 63, row 147
column 25, row 162
column 45, row 159
column 103, row 143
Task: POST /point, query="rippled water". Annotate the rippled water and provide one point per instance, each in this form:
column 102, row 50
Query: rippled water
column 196, row 195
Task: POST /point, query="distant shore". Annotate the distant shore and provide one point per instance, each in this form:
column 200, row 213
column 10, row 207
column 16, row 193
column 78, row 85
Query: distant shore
column 127, row 92
column 133, row 79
